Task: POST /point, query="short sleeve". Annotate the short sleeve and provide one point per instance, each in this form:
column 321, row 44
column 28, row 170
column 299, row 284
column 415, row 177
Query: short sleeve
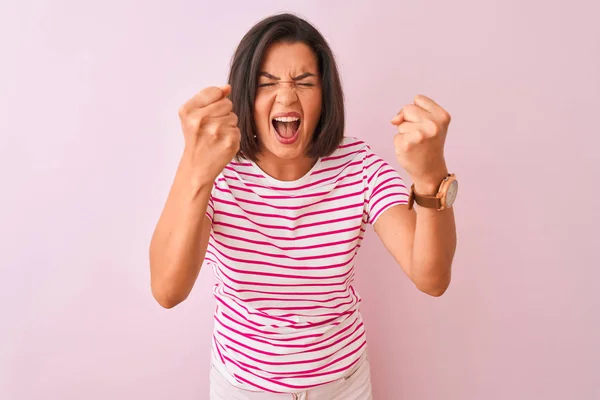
column 385, row 187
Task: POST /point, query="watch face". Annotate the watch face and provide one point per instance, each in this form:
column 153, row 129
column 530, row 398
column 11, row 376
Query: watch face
column 451, row 193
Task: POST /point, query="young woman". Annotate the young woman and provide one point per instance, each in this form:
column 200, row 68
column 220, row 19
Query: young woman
column 274, row 198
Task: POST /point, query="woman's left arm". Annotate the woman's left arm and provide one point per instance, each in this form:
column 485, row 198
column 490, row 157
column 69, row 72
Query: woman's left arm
column 422, row 242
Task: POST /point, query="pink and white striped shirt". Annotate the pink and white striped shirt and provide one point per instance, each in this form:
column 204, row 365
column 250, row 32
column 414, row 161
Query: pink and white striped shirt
column 287, row 316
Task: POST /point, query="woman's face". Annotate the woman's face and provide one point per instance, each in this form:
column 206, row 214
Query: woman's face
column 288, row 100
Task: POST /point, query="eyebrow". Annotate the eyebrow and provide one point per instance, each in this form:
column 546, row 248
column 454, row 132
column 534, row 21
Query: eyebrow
column 296, row 78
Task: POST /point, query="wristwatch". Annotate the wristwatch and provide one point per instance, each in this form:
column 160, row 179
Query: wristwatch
column 442, row 200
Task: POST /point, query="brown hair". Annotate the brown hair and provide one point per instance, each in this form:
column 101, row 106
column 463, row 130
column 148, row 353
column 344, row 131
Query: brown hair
column 243, row 78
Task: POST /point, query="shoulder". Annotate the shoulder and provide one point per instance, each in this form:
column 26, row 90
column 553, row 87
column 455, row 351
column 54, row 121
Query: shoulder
column 240, row 170
column 351, row 142
column 350, row 148
column 237, row 165
column 351, row 155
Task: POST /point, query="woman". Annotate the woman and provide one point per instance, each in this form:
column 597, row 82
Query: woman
column 272, row 196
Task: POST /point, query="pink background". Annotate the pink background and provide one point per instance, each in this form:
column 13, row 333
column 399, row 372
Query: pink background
column 89, row 141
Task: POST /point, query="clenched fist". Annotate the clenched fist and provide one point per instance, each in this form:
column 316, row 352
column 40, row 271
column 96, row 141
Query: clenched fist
column 419, row 143
column 212, row 137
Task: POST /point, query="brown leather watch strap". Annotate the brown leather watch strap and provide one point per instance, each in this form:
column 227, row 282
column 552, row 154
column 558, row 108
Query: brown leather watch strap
column 423, row 201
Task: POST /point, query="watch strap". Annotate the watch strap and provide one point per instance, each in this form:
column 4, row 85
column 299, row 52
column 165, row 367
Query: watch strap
column 423, row 200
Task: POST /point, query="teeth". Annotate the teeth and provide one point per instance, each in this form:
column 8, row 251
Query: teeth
column 287, row 119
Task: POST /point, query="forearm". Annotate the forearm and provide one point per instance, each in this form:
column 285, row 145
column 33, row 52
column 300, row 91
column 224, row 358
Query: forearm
column 179, row 242
column 434, row 246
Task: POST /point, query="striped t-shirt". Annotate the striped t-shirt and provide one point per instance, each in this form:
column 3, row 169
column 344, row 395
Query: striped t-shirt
column 287, row 316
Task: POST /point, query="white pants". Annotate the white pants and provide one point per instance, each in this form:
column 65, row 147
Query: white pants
column 355, row 386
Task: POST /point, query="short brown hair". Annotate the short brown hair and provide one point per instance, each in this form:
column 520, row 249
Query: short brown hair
column 243, row 78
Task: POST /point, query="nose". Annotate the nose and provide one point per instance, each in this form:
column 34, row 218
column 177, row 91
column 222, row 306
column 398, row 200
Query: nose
column 286, row 93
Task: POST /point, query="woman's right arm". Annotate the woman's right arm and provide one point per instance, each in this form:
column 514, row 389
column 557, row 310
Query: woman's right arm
column 180, row 239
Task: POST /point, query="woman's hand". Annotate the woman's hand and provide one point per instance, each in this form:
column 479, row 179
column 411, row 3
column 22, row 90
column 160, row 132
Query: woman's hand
column 212, row 137
column 419, row 143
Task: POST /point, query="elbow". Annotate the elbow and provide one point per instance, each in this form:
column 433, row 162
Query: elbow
column 166, row 300
column 435, row 291
column 434, row 286
column 432, row 277
column 166, row 296
column 165, row 289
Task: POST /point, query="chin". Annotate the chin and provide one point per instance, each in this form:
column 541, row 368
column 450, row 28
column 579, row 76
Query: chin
column 286, row 152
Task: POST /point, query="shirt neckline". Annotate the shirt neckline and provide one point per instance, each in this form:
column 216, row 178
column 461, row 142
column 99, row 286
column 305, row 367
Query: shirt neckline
column 287, row 184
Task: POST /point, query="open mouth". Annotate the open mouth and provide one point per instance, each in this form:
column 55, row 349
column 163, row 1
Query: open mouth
column 287, row 128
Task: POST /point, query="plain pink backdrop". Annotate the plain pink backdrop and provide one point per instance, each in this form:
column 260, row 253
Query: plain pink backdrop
column 89, row 142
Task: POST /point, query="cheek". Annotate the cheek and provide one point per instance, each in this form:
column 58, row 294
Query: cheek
column 262, row 111
column 313, row 111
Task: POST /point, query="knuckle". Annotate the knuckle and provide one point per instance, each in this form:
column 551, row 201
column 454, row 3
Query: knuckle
column 214, row 129
column 192, row 123
column 446, row 117
column 432, row 128
column 195, row 121
column 210, row 129
column 230, row 142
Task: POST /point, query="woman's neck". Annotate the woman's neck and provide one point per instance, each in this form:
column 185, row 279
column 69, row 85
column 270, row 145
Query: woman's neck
column 285, row 170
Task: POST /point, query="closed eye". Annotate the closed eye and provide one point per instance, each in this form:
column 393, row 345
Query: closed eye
column 297, row 84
